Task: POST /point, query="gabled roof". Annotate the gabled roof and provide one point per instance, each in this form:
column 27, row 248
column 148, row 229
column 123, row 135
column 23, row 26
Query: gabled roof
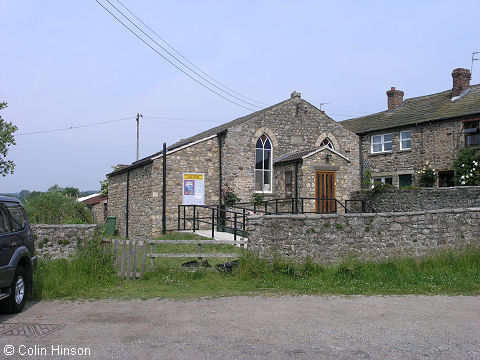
column 92, row 200
column 420, row 109
column 298, row 155
column 200, row 136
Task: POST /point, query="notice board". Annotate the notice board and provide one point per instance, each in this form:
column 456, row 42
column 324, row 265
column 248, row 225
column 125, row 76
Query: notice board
column 193, row 189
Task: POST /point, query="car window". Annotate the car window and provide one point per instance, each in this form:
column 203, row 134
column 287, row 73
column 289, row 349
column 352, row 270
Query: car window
column 4, row 224
column 16, row 215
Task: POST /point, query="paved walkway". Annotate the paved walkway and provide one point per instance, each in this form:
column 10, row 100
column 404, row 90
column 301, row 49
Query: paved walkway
column 280, row 327
column 219, row 235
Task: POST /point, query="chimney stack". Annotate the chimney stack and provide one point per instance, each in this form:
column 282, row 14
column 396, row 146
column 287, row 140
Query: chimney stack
column 461, row 81
column 395, row 98
column 296, row 95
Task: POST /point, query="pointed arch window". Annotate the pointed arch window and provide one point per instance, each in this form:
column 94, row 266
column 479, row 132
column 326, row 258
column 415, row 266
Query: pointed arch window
column 327, row 142
column 263, row 164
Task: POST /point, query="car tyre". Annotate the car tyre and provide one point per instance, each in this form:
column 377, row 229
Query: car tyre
column 18, row 294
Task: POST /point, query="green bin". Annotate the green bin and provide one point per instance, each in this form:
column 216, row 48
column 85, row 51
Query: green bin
column 111, row 221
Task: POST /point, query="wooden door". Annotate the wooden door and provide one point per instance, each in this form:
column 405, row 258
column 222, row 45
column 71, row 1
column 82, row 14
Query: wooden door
column 325, row 192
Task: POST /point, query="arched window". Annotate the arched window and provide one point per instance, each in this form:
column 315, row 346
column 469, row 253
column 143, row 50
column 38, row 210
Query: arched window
column 327, row 142
column 263, row 164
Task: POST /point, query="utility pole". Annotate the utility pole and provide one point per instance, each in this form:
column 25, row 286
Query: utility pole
column 138, row 134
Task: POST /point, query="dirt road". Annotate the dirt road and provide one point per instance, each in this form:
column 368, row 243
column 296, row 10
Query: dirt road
column 305, row 327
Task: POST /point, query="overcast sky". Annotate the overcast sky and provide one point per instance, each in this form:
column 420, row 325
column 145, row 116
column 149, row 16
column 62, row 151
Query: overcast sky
column 70, row 63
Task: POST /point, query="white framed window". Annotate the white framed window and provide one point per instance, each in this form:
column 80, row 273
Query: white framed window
column 263, row 164
column 377, row 181
column 327, row 142
column 381, row 143
column 405, row 140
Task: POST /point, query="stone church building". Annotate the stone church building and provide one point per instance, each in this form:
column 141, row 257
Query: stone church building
column 291, row 149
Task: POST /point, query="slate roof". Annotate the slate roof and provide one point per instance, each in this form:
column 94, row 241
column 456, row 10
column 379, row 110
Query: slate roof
column 94, row 200
column 420, row 109
column 294, row 155
column 204, row 134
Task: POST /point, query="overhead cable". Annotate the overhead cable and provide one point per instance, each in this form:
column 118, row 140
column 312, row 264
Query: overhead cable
column 172, row 63
column 184, row 58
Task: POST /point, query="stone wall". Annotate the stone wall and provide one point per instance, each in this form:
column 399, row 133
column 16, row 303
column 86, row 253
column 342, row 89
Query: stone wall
column 436, row 142
column 99, row 213
column 117, row 197
column 406, row 199
column 57, row 241
column 331, row 237
column 199, row 158
column 139, row 201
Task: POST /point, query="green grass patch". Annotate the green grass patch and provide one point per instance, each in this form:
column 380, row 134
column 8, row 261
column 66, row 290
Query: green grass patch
column 90, row 275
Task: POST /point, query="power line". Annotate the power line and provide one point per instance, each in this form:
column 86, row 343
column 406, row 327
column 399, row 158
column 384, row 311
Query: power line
column 74, row 127
column 184, row 58
column 178, row 60
column 180, row 119
column 164, row 57
column 163, row 125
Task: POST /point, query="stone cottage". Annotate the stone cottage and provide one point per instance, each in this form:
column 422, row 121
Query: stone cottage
column 396, row 143
column 291, row 149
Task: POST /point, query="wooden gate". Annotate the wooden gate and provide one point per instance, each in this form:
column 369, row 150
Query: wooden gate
column 325, row 192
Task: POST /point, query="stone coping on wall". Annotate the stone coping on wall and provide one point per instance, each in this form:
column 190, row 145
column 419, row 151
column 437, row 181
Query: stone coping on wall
column 63, row 226
column 366, row 215
column 417, row 188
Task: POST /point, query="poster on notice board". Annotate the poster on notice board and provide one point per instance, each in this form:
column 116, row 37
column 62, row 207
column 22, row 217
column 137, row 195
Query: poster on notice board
column 193, row 189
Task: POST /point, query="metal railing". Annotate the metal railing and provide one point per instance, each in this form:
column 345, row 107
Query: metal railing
column 190, row 217
column 359, row 206
column 302, row 205
column 234, row 220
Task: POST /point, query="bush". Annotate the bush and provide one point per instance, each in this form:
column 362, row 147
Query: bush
column 467, row 167
column 258, row 199
column 428, row 176
column 229, row 197
column 56, row 208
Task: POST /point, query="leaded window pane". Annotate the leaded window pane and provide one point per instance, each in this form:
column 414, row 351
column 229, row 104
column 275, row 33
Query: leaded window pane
column 258, row 180
column 405, row 135
column 267, row 144
column 406, row 144
column 266, row 159
column 258, row 158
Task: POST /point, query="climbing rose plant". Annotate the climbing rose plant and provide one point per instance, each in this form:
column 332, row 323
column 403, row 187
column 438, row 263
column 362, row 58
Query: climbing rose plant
column 467, row 167
column 428, row 176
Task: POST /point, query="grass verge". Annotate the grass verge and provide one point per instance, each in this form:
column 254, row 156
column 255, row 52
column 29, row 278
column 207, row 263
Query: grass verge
column 90, row 275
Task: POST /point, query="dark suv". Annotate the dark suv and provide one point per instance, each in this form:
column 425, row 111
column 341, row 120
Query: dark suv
column 17, row 262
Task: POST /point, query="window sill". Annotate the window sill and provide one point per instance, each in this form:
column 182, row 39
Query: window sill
column 405, row 150
column 380, row 153
column 264, row 192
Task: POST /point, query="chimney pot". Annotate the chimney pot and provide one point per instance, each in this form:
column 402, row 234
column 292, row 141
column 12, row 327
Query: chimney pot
column 461, row 81
column 394, row 98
